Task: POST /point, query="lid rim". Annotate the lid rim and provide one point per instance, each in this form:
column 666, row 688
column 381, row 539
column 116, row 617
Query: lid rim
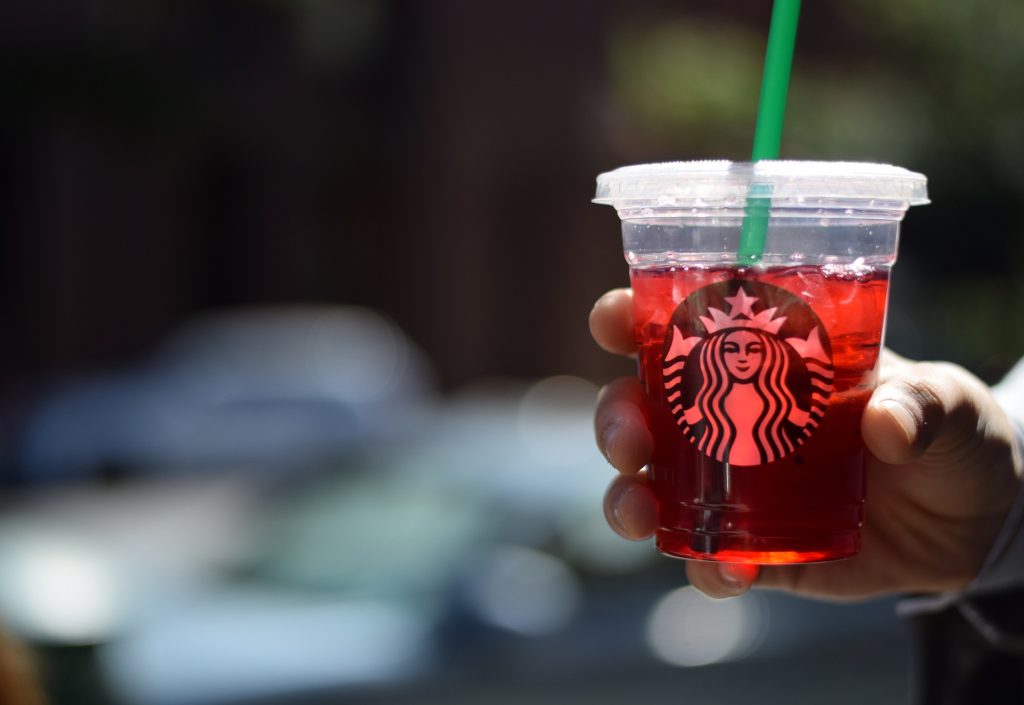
column 705, row 183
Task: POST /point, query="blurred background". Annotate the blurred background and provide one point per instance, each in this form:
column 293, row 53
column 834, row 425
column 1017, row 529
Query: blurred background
column 295, row 377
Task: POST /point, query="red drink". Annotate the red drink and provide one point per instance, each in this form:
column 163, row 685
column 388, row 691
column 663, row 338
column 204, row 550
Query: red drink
column 756, row 380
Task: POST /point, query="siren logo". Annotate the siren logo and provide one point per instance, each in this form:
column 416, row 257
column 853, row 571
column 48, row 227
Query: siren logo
column 747, row 371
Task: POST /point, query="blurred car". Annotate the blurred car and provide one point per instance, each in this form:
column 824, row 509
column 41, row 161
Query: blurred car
column 272, row 388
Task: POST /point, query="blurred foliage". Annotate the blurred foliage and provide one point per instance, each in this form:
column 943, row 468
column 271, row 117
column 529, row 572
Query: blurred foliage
column 695, row 85
column 928, row 84
column 968, row 59
column 686, row 79
column 340, row 33
column 979, row 323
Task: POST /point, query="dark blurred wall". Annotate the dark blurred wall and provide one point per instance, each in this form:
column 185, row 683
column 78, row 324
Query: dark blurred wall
column 436, row 161
column 501, row 252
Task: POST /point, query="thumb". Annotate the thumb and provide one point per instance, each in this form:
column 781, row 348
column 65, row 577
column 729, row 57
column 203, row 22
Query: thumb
column 937, row 408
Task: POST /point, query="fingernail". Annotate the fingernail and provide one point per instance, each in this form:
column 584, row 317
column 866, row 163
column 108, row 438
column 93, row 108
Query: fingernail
column 608, row 436
column 732, row 582
column 902, row 415
column 617, row 514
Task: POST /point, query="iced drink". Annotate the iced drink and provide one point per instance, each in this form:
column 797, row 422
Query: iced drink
column 756, row 374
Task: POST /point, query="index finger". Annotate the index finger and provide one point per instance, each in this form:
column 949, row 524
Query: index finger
column 611, row 322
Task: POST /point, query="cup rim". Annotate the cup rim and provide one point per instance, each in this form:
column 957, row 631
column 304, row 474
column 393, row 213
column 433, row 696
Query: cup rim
column 728, row 184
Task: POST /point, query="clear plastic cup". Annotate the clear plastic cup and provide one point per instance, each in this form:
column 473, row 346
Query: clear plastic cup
column 756, row 375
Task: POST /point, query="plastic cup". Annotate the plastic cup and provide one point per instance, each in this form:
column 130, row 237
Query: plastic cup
column 756, row 376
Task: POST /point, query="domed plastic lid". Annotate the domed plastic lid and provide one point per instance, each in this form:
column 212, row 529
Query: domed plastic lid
column 725, row 184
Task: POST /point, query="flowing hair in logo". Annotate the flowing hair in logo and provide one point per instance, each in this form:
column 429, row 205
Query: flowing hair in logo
column 769, row 382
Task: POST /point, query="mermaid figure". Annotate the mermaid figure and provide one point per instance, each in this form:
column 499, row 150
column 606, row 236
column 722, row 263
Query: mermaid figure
column 744, row 410
column 744, row 398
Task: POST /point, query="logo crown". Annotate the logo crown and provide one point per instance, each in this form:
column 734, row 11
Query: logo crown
column 741, row 315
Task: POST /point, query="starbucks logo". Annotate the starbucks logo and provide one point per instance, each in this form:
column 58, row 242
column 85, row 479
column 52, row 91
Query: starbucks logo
column 747, row 371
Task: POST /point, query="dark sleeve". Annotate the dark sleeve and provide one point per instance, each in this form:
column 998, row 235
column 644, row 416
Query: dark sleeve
column 1003, row 569
column 970, row 653
column 969, row 646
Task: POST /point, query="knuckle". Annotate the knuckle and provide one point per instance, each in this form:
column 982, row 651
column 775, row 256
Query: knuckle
column 939, row 371
column 919, row 389
column 949, row 383
column 611, row 393
column 955, row 397
column 937, row 383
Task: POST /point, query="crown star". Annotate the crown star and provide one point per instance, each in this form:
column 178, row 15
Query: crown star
column 742, row 305
column 741, row 301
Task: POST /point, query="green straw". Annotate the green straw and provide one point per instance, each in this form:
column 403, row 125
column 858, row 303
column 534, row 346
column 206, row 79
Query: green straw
column 771, row 111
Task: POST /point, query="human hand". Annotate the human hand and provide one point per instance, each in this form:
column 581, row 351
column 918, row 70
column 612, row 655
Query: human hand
column 942, row 473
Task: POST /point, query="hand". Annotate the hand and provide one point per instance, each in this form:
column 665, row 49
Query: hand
column 943, row 471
